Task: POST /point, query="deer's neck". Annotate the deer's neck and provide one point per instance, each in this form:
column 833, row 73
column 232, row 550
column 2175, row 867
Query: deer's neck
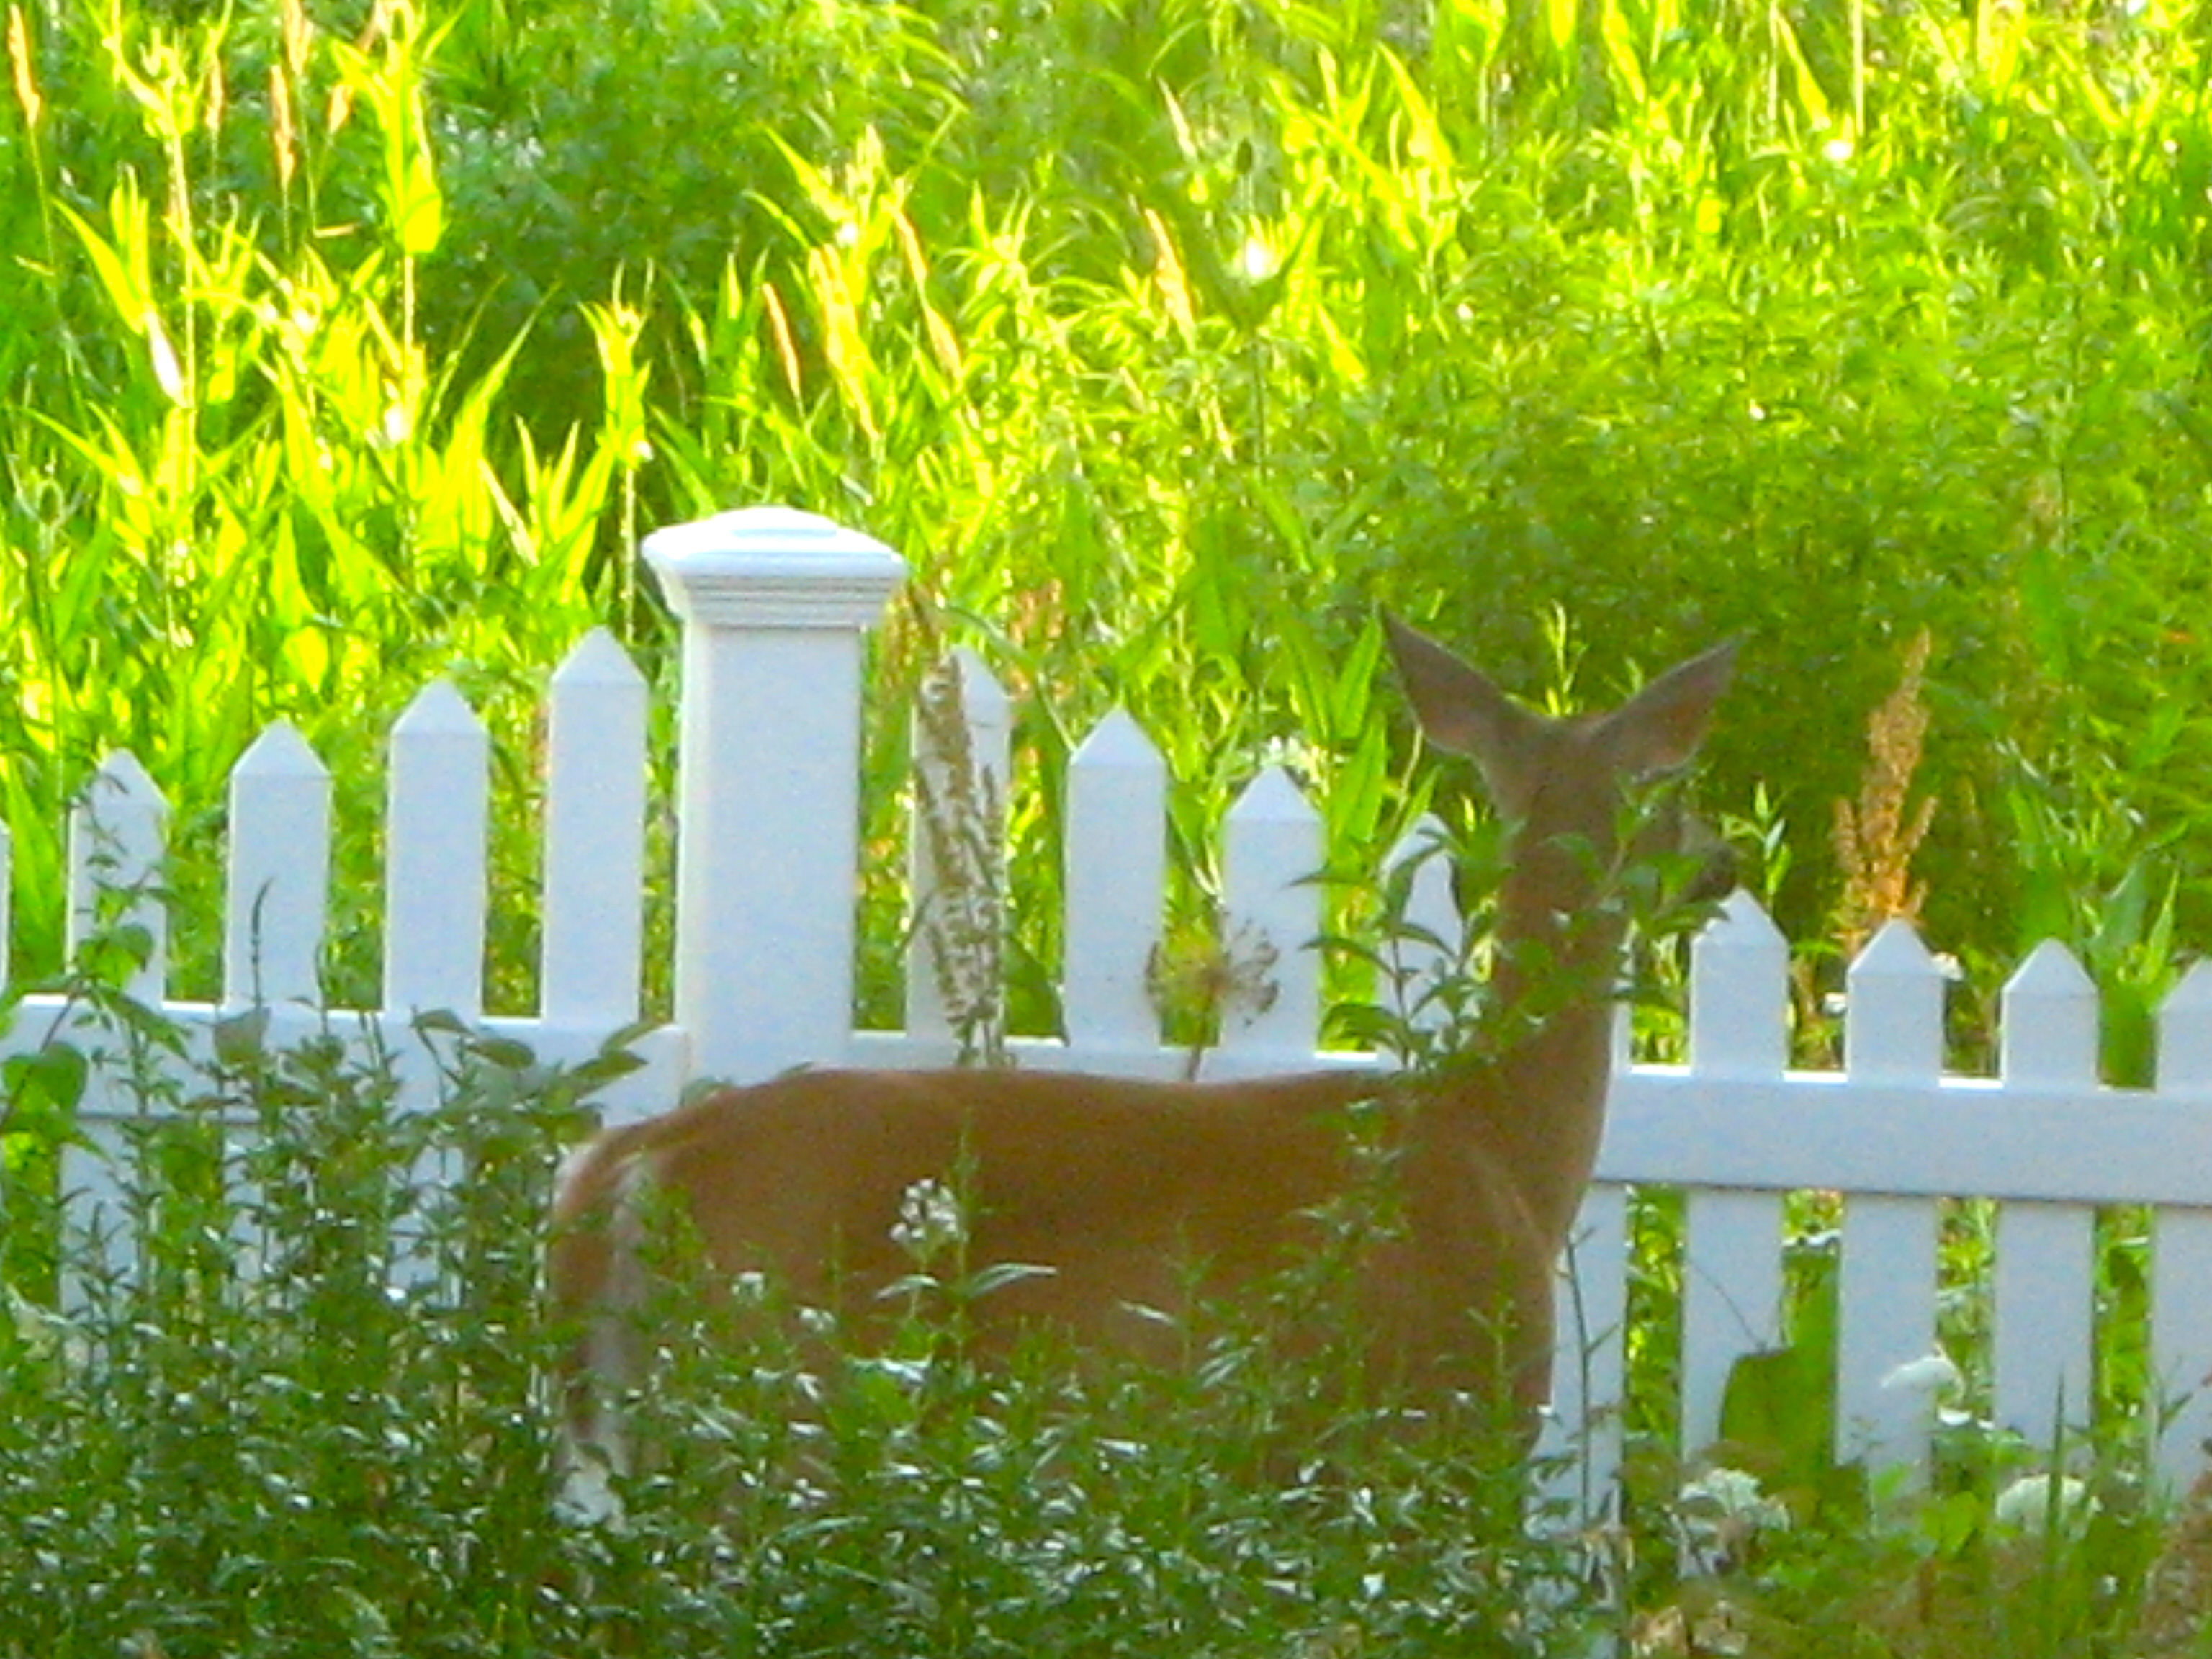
column 1552, row 1006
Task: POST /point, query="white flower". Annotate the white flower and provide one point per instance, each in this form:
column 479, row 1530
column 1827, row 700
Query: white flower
column 46, row 1335
column 588, row 1498
column 910, row 1375
column 2031, row 1501
column 1735, row 1495
column 930, row 1219
column 1720, row 1515
column 1933, row 1374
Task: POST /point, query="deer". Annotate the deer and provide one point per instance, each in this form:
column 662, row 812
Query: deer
column 1130, row 1202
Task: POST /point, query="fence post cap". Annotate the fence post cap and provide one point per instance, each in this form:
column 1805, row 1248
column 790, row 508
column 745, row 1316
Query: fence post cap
column 279, row 752
column 121, row 775
column 1742, row 926
column 2051, row 973
column 1118, row 743
column 597, row 659
column 1895, row 951
column 774, row 567
column 1274, row 797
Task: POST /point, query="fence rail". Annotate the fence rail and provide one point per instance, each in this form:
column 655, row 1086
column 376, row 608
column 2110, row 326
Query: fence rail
column 775, row 604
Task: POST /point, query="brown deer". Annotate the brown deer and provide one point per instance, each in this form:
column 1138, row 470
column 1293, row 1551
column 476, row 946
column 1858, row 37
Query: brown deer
column 1132, row 1198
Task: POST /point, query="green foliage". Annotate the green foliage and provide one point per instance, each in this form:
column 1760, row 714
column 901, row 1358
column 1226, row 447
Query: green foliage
column 1163, row 337
column 242, row 485
column 237, row 1438
column 1994, row 1555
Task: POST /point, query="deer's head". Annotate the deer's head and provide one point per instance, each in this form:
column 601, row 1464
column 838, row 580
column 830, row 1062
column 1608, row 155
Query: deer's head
column 1578, row 793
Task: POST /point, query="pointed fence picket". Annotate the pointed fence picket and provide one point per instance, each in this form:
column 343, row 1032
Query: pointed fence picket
column 117, row 834
column 1422, row 957
column 2045, row 1289
column 435, row 893
column 1271, row 911
column 279, row 890
column 1115, row 841
column 2181, row 1245
column 1732, row 1263
column 436, row 897
column 964, row 734
column 1886, row 1289
column 591, row 962
column 1584, row 1435
column 765, row 810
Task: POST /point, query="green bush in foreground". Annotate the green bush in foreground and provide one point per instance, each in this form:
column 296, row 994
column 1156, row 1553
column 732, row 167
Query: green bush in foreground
column 304, row 1415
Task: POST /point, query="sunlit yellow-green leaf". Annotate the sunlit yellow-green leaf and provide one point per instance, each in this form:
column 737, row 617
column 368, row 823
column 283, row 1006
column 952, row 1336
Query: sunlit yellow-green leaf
column 168, row 372
column 1560, row 33
column 418, row 209
column 842, row 340
column 2000, row 35
column 1812, row 101
column 123, row 264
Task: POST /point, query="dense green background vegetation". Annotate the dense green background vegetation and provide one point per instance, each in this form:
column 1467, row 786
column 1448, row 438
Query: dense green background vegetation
column 357, row 343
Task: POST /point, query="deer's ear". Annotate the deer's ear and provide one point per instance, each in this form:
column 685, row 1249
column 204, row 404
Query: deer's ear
column 1660, row 728
column 1462, row 711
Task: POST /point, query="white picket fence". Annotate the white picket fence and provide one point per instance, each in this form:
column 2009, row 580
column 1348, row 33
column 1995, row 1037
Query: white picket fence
column 774, row 603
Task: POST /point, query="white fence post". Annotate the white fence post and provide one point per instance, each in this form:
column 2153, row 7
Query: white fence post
column 1272, row 912
column 434, row 840
column 959, row 916
column 2181, row 1261
column 773, row 603
column 1732, row 1251
column 592, row 953
column 1116, row 851
column 116, row 843
column 118, row 839
column 2045, row 1286
column 1886, row 1294
column 278, row 888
